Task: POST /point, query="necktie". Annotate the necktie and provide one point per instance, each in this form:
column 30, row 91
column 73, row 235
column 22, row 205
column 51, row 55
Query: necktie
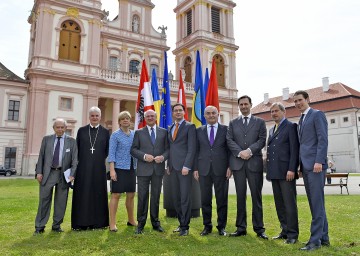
column 55, row 161
column 246, row 120
column 276, row 127
column 301, row 121
column 176, row 131
column 212, row 135
column 152, row 135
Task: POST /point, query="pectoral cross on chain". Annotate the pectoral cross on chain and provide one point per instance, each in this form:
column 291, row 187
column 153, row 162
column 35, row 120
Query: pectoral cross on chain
column 92, row 150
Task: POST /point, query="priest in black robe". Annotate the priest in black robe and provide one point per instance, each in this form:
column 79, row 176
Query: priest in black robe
column 90, row 199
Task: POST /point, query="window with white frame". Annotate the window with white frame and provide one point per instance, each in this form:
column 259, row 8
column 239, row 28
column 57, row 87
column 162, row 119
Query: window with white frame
column 14, row 110
column 113, row 63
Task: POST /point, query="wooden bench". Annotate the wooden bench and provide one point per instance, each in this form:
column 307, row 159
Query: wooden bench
column 341, row 180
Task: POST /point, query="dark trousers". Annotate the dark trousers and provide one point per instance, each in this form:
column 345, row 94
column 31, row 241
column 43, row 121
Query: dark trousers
column 45, row 199
column 221, row 187
column 255, row 181
column 286, row 207
column 181, row 188
column 314, row 186
column 143, row 199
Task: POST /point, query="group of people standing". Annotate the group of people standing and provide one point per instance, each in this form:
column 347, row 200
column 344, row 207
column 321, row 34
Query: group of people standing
column 210, row 154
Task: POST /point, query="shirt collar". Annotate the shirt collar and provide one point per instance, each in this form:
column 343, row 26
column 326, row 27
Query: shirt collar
column 215, row 125
column 306, row 111
column 94, row 126
column 249, row 116
column 149, row 127
column 182, row 120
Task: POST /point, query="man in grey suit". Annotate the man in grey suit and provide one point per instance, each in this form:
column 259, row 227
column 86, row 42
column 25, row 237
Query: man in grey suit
column 150, row 147
column 182, row 143
column 282, row 165
column 58, row 153
column 211, row 169
column 313, row 138
column 245, row 138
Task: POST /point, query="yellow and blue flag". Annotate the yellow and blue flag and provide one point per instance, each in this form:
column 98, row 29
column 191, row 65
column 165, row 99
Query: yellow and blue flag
column 155, row 94
column 197, row 117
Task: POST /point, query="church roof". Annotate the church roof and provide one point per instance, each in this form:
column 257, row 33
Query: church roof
column 338, row 97
column 144, row 2
column 6, row 74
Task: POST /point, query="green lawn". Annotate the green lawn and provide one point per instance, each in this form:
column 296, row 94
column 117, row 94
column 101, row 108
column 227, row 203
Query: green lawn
column 18, row 205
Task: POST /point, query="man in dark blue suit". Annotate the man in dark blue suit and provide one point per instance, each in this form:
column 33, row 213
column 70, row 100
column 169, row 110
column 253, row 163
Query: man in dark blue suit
column 282, row 165
column 313, row 138
column 212, row 168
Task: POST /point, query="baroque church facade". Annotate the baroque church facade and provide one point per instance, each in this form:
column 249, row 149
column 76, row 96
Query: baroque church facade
column 78, row 58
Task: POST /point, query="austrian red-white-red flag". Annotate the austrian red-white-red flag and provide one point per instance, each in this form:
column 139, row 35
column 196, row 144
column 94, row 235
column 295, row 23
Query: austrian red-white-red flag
column 145, row 99
column 181, row 97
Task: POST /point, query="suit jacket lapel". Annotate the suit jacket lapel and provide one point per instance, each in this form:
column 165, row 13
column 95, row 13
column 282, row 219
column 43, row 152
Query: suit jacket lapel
column 219, row 132
column 251, row 123
column 307, row 116
column 66, row 142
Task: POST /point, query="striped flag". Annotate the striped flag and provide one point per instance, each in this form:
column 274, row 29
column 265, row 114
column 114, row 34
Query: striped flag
column 197, row 117
column 155, row 94
column 181, row 97
column 145, row 98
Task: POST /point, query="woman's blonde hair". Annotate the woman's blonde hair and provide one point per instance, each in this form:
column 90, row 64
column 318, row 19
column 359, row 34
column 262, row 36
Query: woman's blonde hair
column 124, row 114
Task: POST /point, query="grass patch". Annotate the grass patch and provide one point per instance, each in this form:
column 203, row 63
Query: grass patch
column 18, row 206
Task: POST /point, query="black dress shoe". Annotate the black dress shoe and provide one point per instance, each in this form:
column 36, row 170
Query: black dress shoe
column 205, row 232
column 159, row 229
column 280, row 236
column 184, row 232
column 310, row 247
column 58, row 230
column 138, row 230
column 262, row 235
column 130, row 225
column 38, row 232
column 239, row 233
column 222, row 232
column 290, row 241
column 178, row 229
column 325, row 242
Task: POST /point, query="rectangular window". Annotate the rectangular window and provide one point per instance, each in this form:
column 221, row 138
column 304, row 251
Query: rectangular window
column 188, row 23
column 14, row 107
column 156, row 67
column 10, row 157
column 346, row 119
column 113, row 61
column 66, row 103
column 332, row 121
column 215, row 20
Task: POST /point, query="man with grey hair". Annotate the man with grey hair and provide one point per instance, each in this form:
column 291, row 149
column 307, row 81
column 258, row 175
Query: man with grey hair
column 150, row 147
column 282, row 164
column 58, row 153
column 90, row 199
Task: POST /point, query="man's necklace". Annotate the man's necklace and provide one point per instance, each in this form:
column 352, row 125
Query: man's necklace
column 93, row 144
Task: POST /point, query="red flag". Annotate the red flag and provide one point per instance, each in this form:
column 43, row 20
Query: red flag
column 145, row 99
column 212, row 96
column 181, row 97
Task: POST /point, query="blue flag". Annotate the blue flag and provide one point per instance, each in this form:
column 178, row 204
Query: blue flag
column 165, row 112
column 206, row 82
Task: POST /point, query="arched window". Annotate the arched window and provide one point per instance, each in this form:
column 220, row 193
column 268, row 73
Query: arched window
column 156, row 67
column 187, row 68
column 69, row 48
column 134, row 66
column 136, row 24
column 220, row 70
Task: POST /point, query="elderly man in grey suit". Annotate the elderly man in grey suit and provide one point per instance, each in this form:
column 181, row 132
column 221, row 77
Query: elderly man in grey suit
column 313, row 139
column 58, row 153
column 182, row 143
column 211, row 169
column 282, row 165
column 150, row 147
column 245, row 138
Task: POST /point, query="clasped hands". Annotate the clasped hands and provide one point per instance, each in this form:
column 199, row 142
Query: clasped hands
column 245, row 154
column 157, row 159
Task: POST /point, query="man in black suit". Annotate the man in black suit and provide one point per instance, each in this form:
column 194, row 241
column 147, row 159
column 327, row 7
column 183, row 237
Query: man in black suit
column 150, row 147
column 245, row 138
column 211, row 168
column 282, row 165
column 182, row 142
